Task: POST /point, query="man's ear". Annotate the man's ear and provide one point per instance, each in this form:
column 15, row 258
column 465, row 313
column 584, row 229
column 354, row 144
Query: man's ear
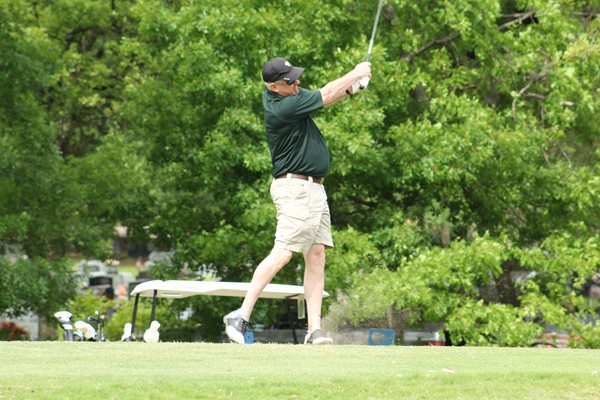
column 272, row 87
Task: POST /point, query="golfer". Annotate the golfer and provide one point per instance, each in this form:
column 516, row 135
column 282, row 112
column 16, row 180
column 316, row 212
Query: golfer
column 300, row 160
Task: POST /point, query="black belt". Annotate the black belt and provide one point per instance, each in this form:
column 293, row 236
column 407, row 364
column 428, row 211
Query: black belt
column 303, row 177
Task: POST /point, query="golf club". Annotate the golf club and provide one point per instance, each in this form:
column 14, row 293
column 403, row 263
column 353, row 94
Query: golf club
column 66, row 323
column 365, row 81
column 99, row 321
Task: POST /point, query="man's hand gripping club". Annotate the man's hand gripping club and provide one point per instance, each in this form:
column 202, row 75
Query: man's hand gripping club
column 363, row 82
column 335, row 90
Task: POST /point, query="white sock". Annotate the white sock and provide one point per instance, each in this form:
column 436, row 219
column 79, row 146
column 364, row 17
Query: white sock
column 239, row 313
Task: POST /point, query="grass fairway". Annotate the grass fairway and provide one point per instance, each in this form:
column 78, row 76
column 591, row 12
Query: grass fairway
column 62, row 370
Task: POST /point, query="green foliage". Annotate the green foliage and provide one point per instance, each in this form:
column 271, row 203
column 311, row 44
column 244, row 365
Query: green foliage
column 122, row 314
column 38, row 285
column 84, row 99
column 60, row 84
column 486, row 292
column 86, row 304
column 480, row 117
column 478, row 324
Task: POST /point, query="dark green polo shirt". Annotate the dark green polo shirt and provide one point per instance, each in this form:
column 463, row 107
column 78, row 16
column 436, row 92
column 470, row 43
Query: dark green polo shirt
column 295, row 142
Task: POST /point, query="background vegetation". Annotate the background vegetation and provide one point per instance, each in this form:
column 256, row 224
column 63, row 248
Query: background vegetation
column 465, row 181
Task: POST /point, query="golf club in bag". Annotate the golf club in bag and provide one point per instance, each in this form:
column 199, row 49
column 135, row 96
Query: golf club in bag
column 82, row 331
column 66, row 323
column 99, row 321
column 364, row 82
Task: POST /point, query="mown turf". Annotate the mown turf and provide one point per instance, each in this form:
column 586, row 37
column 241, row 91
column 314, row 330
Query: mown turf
column 61, row 370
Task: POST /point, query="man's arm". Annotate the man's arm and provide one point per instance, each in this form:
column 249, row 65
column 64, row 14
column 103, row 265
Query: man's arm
column 335, row 90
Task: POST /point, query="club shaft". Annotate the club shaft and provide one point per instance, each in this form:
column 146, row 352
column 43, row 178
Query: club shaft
column 374, row 30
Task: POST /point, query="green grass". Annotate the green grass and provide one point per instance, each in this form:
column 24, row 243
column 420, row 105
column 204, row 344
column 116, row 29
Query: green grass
column 133, row 270
column 62, row 370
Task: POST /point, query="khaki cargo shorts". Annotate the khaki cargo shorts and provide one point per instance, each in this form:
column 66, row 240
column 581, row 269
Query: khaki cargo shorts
column 302, row 214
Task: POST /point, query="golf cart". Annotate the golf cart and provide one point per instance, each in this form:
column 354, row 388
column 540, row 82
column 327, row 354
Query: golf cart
column 178, row 289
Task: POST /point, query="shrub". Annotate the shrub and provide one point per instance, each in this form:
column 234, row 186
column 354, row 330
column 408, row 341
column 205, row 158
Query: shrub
column 10, row 330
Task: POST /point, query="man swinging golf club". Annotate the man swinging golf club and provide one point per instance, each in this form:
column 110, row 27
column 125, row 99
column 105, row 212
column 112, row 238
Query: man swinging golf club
column 300, row 159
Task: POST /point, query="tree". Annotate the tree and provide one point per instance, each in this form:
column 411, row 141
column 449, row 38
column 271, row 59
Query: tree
column 50, row 202
column 492, row 149
column 471, row 128
column 477, row 133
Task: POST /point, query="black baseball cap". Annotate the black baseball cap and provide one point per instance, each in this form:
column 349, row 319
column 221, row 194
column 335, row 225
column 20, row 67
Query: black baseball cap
column 279, row 68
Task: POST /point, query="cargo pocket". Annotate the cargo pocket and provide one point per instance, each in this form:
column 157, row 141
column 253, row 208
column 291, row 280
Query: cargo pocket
column 300, row 213
column 292, row 223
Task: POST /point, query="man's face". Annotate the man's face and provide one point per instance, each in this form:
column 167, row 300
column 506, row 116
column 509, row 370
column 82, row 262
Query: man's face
column 282, row 88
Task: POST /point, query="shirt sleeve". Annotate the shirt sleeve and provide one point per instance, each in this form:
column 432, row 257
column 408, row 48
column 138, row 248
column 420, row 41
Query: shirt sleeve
column 299, row 106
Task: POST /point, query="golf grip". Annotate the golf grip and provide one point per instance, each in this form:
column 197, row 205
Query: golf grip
column 362, row 84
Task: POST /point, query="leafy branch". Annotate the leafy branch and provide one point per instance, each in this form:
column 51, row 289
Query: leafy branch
column 439, row 42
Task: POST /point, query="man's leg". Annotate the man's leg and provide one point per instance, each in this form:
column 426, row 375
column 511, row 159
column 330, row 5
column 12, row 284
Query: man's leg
column 263, row 274
column 314, row 283
column 236, row 322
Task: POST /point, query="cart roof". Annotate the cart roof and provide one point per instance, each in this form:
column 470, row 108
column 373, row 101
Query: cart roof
column 177, row 289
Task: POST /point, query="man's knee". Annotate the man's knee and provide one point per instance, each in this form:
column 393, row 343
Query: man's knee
column 282, row 256
column 316, row 252
column 318, row 249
